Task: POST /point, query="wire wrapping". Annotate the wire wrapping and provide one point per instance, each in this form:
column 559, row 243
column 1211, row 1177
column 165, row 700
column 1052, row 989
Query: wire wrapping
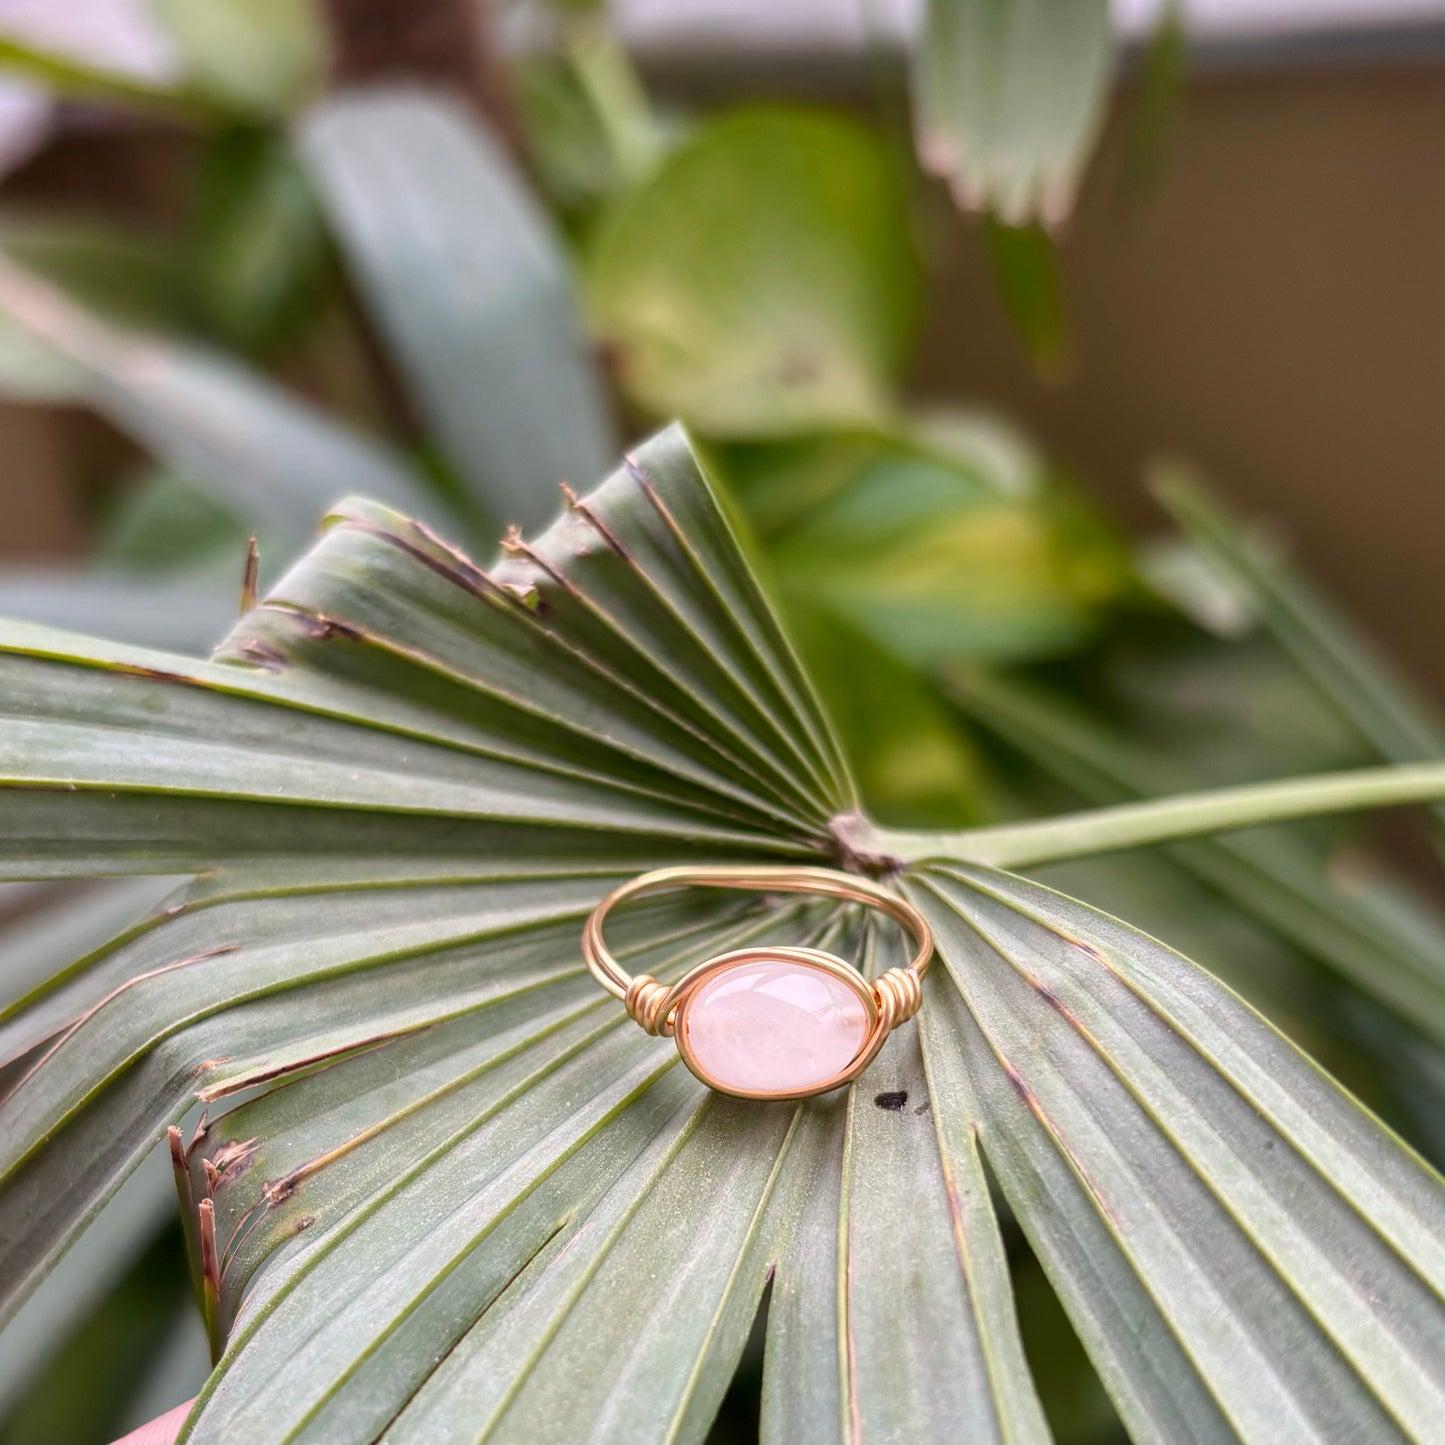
column 899, row 992
column 647, row 1003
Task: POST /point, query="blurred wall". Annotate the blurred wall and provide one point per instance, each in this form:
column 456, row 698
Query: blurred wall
column 51, row 459
column 1275, row 313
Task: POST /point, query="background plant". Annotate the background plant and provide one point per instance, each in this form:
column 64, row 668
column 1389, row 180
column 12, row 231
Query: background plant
column 989, row 645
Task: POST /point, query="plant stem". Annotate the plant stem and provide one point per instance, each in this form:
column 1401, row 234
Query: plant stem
column 1162, row 820
column 619, row 100
column 68, row 76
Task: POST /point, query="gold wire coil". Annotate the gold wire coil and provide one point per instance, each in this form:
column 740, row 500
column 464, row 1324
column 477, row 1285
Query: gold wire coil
column 646, row 1001
column 891, row 999
column 900, row 994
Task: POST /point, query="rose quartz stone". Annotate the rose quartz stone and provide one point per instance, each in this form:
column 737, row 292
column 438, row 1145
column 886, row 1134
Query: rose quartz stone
column 774, row 1026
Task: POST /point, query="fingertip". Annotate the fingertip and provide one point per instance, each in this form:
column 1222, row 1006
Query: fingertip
column 160, row 1431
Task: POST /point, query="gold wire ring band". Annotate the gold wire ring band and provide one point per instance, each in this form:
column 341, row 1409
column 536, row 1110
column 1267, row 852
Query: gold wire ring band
column 891, row 999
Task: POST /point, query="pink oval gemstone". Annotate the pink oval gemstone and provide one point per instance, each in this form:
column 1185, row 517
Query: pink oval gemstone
column 774, row 1026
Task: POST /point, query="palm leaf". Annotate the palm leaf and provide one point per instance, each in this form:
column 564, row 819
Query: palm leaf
column 1008, row 96
column 1322, row 642
column 1278, row 879
column 471, row 288
column 462, row 1197
column 1222, row 1221
column 79, row 1287
column 43, row 928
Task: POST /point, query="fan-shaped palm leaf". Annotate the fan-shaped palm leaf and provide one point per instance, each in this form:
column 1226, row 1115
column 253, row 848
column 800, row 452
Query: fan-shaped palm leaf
column 462, row 1197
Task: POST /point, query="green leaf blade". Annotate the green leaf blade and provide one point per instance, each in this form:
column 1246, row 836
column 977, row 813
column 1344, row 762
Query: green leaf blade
column 1280, row 880
column 1322, row 641
column 471, row 289
column 761, row 282
column 259, row 57
column 447, row 1189
column 1008, row 99
column 1200, row 1139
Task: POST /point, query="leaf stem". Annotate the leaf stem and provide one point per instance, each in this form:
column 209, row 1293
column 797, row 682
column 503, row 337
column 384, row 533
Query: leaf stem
column 1162, row 820
column 619, row 101
column 78, row 79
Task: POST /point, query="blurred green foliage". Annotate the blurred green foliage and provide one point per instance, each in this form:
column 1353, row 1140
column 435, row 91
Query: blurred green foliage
column 763, row 280
column 1026, row 271
column 255, row 245
column 930, row 558
column 756, row 271
column 86, row 1391
column 261, row 57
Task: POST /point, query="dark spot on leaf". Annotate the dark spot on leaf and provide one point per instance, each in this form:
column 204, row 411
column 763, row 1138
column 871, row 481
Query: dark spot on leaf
column 1056, row 1003
column 304, row 1223
column 155, row 674
column 924, row 1107
column 324, row 628
column 856, row 860
column 279, row 1191
column 799, row 368
column 610, row 358
column 891, row 1101
column 233, row 1159
column 1089, row 951
column 261, row 654
column 1017, row 1080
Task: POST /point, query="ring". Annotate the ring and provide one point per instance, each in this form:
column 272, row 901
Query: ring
column 769, row 1022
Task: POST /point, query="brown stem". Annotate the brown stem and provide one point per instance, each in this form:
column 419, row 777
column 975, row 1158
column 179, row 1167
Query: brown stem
column 447, row 43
